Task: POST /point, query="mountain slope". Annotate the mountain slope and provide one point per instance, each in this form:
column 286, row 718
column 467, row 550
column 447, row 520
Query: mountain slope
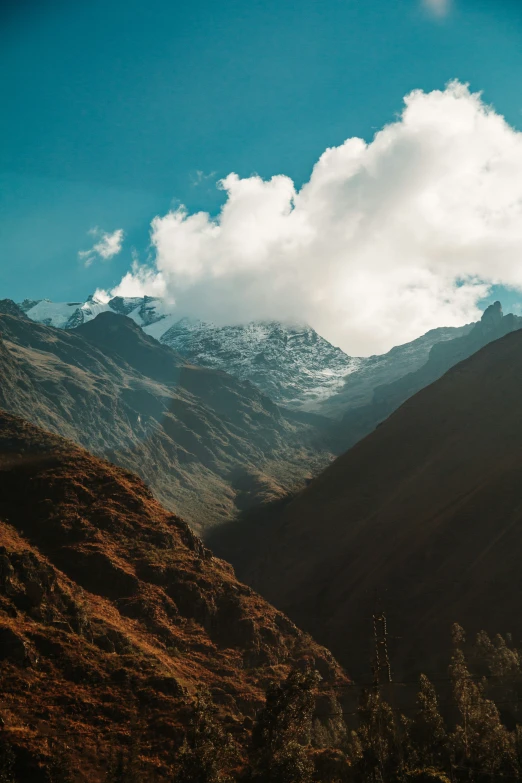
column 374, row 372
column 291, row 363
column 422, row 518
column 358, row 422
column 112, row 613
column 206, row 443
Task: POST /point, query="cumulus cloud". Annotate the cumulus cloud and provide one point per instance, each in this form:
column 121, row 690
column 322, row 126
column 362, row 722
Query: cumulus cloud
column 107, row 246
column 384, row 242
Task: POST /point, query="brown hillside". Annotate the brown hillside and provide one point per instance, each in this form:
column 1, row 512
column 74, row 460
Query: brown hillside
column 422, row 518
column 112, row 612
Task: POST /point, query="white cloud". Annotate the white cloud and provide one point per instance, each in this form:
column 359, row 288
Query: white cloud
column 438, row 7
column 108, row 246
column 385, row 241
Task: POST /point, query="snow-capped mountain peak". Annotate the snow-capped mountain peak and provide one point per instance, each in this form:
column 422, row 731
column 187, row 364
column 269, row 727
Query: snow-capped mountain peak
column 291, row 363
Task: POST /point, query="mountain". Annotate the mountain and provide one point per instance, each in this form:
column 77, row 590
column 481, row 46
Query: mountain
column 292, row 364
column 386, row 397
column 205, row 442
column 113, row 613
column 421, row 519
column 374, row 372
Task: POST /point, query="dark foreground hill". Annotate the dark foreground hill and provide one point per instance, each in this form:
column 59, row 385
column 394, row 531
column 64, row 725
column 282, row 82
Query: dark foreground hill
column 112, row 613
column 423, row 518
column 206, row 443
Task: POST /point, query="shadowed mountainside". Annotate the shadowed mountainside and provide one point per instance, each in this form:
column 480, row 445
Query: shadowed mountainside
column 423, row 518
column 112, row 612
column 205, row 442
column 386, row 397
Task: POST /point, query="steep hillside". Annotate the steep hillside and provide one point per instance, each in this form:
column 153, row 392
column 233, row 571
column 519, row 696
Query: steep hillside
column 113, row 613
column 206, row 443
column 423, row 518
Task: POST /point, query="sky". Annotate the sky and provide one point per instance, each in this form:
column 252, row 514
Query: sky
column 302, row 160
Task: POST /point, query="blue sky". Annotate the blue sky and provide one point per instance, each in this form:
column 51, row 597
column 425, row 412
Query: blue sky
column 110, row 109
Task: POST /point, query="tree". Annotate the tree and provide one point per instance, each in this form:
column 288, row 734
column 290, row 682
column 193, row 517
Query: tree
column 427, row 732
column 376, row 745
column 283, row 729
column 501, row 660
column 208, row 751
column 480, row 740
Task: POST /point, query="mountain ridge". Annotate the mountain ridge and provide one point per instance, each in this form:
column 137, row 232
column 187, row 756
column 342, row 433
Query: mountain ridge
column 290, row 363
column 201, row 438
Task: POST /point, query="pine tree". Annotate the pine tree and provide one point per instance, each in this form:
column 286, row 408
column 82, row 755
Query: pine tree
column 500, row 659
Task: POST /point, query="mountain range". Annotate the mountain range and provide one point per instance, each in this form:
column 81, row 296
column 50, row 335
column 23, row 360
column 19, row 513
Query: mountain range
column 420, row 519
column 360, row 419
column 292, row 364
column 205, row 442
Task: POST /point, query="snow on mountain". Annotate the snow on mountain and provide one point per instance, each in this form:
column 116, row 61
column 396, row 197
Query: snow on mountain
column 291, row 363
column 68, row 315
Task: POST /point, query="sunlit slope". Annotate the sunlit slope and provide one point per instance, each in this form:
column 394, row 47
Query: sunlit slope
column 112, row 613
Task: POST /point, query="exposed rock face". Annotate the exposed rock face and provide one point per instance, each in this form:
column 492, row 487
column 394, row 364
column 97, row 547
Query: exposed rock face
column 8, row 307
column 200, row 438
column 492, row 316
column 113, row 611
column 291, row 363
column 422, row 518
